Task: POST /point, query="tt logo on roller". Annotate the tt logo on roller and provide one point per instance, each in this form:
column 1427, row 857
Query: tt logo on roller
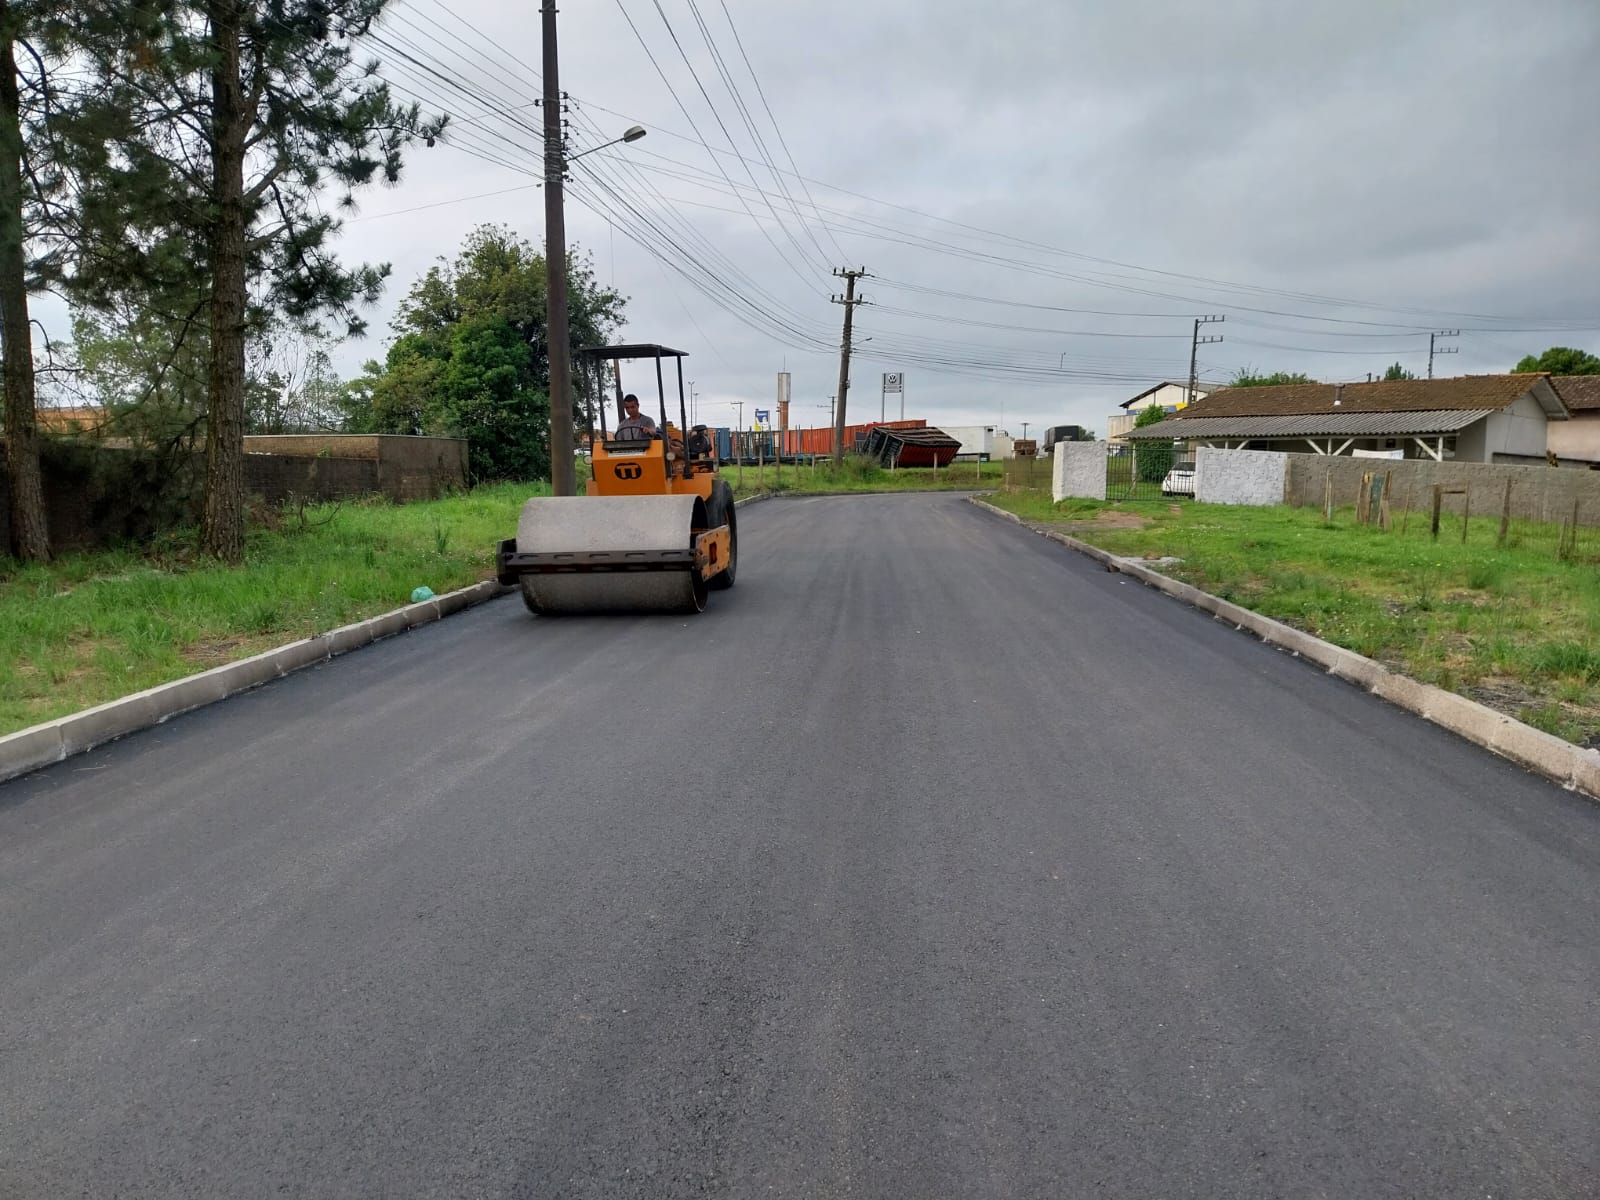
column 628, row 470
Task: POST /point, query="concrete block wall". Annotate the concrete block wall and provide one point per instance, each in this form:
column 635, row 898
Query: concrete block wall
column 1257, row 477
column 1079, row 470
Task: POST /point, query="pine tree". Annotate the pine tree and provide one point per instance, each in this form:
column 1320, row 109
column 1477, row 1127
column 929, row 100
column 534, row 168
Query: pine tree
column 224, row 123
column 29, row 187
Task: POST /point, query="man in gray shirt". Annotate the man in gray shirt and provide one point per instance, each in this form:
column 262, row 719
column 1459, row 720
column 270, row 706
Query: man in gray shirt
column 635, row 426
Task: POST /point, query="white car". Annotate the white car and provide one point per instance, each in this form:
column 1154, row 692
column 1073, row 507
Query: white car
column 1179, row 481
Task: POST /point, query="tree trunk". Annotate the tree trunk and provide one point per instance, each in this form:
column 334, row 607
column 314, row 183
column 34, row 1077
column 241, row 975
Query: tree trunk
column 222, row 527
column 30, row 539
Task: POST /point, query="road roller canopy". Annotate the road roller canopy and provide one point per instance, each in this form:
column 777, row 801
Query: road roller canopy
column 633, row 350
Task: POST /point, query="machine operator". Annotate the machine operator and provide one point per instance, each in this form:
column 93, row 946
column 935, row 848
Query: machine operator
column 635, row 426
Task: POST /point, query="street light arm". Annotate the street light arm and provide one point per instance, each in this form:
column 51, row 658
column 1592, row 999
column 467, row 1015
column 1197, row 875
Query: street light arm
column 632, row 135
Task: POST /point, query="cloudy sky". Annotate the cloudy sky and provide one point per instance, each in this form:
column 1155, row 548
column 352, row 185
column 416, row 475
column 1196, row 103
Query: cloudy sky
column 1045, row 192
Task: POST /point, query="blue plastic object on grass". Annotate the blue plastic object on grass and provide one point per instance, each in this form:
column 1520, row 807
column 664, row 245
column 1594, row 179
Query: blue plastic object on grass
column 418, row 595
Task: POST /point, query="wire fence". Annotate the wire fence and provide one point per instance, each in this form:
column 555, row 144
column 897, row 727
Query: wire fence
column 1467, row 514
column 1025, row 473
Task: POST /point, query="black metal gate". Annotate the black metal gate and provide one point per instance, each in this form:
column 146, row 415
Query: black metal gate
column 1139, row 471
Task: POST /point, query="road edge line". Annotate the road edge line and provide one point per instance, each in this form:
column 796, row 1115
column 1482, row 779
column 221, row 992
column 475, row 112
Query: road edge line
column 1573, row 767
column 51, row 742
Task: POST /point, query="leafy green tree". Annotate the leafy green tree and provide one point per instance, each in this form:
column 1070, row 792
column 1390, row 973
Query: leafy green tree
column 1249, row 377
column 224, row 125
column 1396, row 371
column 1152, row 459
column 1560, row 360
column 471, row 358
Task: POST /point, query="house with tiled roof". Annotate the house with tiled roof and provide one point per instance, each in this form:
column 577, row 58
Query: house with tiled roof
column 1576, row 443
column 1166, row 395
column 1473, row 418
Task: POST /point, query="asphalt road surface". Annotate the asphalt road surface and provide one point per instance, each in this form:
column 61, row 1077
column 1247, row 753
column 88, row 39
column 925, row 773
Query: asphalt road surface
column 932, row 861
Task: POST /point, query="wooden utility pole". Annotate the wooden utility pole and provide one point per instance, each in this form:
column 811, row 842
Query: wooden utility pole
column 849, row 301
column 555, row 264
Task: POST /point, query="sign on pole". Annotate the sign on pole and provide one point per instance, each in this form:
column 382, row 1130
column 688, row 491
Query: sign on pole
column 893, row 383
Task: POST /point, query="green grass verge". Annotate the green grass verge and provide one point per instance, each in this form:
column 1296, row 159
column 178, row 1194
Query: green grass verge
column 860, row 474
column 91, row 627
column 1513, row 627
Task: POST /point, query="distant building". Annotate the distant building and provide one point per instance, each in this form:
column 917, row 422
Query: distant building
column 1168, row 396
column 69, row 420
column 1474, row 418
column 1576, row 443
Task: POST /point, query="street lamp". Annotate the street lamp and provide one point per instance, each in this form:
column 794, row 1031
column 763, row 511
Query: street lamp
column 632, row 134
column 1061, row 363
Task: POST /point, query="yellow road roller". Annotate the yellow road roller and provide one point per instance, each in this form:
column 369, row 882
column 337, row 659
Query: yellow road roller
column 655, row 530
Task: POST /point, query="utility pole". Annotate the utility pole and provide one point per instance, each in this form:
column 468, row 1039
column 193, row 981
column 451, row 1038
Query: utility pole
column 557, row 336
column 1194, row 351
column 1432, row 349
column 849, row 301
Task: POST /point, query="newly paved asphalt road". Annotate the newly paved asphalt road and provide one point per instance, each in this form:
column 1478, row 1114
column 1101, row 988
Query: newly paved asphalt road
column 932, row 861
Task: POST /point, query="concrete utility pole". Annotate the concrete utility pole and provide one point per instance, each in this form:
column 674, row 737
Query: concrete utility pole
column 1432, row 349
column 849, row 301
column 1194, row 351
column 555, row 262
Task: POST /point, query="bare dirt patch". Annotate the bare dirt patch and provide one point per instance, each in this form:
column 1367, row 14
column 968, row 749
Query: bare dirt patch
column 213, row 653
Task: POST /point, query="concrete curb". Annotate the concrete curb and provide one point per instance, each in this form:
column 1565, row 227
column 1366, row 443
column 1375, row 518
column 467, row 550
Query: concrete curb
column 40, row 745
column 1573, row 767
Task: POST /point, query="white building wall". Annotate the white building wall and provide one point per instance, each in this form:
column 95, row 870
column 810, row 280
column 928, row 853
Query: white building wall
column 1521, row 431
column 1577, row 440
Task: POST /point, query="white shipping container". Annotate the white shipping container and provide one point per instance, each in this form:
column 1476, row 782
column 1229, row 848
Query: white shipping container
column 974, row 439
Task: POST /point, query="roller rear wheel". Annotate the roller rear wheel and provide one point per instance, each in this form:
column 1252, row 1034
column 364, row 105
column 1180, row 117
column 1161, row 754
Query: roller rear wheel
column 723, row 512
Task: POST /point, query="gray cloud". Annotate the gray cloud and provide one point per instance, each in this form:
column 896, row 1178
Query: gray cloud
column 1427, row 154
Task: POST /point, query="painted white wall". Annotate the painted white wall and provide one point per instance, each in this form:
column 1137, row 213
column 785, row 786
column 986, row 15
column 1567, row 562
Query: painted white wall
column 1256, row 477
column 1078, row 469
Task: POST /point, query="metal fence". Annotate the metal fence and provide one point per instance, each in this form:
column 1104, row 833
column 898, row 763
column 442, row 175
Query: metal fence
column 1030, row 472
column 1141, row 472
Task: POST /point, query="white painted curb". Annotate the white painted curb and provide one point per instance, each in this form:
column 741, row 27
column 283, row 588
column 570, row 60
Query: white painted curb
column 1573, row 767
column 40, row 745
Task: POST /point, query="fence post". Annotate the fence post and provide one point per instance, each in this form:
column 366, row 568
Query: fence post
column 1505, row 515
column 1466, row 510
column 1438, row 502
column 1364, row 499
column 1384, row 521
column 1327, row 497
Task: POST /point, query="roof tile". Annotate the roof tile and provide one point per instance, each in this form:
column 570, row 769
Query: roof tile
column 1580, row 393
column 1491, row 392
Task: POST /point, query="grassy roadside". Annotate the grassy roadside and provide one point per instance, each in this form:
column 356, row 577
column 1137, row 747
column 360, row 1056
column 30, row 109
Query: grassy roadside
column 91, row 627
column 88, row 628
column 1513, row 628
